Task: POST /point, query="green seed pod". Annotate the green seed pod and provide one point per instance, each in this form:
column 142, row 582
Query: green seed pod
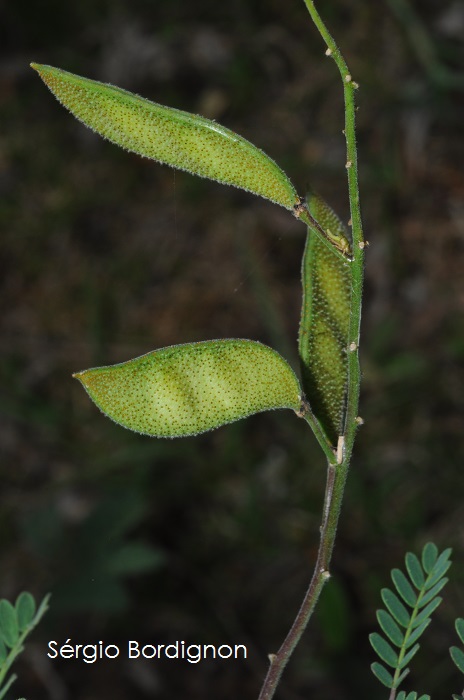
column 180, row 139
column 333, row 227
column 189, row 389
column 324, row 326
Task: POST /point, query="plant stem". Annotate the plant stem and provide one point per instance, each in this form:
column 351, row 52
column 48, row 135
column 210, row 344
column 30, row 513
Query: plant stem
column 319, row 434
column 337, row 473
column 357, row 264
column 336, row 477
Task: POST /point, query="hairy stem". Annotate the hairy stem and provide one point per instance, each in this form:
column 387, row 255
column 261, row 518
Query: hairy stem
column 336, row 477
column 308, row 415
column 357, row 264
column 337, row 473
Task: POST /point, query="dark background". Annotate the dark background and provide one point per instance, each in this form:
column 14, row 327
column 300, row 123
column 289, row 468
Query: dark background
column 105, row 256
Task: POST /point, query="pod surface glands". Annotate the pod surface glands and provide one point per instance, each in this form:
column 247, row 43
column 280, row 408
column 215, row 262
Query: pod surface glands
column 180, row 139
column 189, row 389
column 324, row 326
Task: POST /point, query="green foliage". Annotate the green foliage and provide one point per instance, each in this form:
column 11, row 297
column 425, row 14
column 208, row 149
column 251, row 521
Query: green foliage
column 25, row 609
column 189, row 389
column 16, row 623
column 9, row 628
column 457, row 654
column 408, row 614
column 180, row 139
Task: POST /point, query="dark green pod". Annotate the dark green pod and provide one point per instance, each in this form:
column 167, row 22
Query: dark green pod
column 324, row 326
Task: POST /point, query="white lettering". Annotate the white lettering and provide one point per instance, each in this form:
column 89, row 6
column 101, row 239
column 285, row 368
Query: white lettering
column 146, row 651
column 67, row 651
column 134, row 652
column 192, row 657
column 111, row 656
column 52, row 647
column 193, row 653
column 227, row 648
column 175, row 654
column 89, row 653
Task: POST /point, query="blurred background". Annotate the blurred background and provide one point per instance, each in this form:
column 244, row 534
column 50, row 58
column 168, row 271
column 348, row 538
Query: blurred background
column 105, row 256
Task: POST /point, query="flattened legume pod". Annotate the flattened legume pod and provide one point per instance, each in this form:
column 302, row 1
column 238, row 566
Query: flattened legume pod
column 189, row 389
column 180, row 139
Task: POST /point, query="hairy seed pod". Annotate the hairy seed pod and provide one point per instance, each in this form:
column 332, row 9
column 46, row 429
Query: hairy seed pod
column 324, row 326
column 333, row 227
column 180, row 139
column 189, row 389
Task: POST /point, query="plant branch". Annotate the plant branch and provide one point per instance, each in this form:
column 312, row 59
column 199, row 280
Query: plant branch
column 310, row 418
column 337, row 473
column 336, row 477
column 357, row 265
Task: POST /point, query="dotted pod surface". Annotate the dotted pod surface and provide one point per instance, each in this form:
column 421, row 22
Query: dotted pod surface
column 189, row 389
column 324, row 326
column 180, row 139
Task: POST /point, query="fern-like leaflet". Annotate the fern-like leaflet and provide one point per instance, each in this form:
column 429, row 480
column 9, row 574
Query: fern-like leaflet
column 407, row 615
column 457, row 654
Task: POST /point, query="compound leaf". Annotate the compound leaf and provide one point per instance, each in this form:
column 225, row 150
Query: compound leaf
column 458, row 657
column 25, row 610
column 403, row 587
column 401, row 677
column 440, row 568
column 421, row 605
column 407, row 658
column 389, row 626
column 396, row 607
column 417, row 632
column 384, row 650
column 427, row 611
column 459, row 624
column 414, row 569
column 8, row 623
column 382, row 674
column 429, row 556
column 432, row 592
column 7, row 685
column 3, row 651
